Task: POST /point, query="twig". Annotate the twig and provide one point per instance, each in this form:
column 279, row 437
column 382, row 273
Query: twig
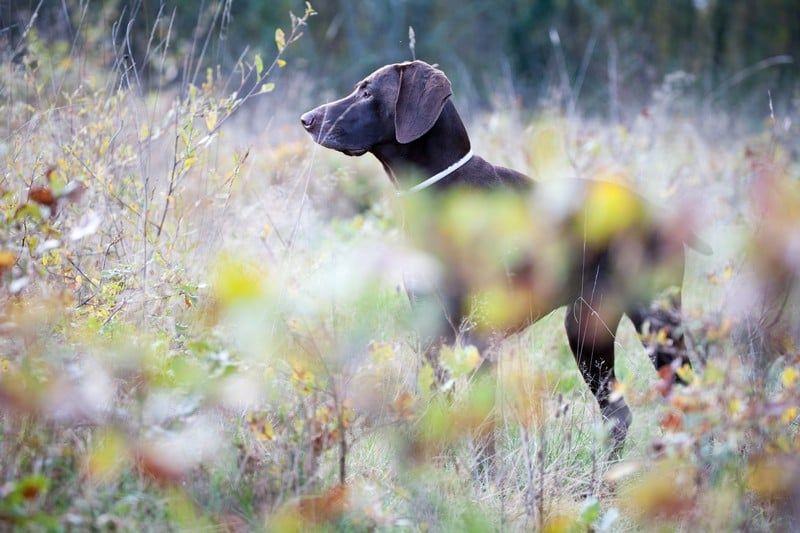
column 747, row 72
column 28, row 27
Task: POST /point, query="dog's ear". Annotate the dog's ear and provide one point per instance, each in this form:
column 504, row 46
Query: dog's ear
column 421, row 95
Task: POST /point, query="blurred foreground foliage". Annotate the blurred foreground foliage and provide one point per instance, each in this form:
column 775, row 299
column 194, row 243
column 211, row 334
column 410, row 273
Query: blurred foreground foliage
column 193, row 335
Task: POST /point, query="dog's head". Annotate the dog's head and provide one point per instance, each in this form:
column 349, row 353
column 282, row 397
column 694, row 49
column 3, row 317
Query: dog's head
column 396, row 103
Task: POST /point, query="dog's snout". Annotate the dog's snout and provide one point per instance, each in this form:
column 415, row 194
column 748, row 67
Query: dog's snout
column 307, row 120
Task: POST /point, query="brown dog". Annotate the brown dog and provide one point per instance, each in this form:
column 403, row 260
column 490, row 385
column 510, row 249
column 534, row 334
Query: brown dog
column 403, row 115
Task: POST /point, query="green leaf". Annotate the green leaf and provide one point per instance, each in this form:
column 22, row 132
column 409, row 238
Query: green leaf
column 267, row 88
column 280, row 39
column 590, row 511
column 31, row 211
column 259, row 65
column 460, row 360
column 425, row 379
column 31, row 487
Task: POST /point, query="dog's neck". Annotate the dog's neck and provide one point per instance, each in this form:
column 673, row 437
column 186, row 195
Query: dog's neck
column 444, row 144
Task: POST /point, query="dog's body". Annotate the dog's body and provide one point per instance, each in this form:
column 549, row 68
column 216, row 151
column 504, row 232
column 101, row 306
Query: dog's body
column 402, row 114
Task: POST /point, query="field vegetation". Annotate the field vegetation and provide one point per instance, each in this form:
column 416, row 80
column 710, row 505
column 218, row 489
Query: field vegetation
column 203, row 325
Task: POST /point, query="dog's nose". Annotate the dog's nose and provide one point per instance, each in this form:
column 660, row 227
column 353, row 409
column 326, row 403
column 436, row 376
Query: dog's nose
column 307, row 120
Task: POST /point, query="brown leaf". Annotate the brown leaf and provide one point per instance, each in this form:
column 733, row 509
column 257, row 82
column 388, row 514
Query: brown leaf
column 673, row 421
column 42, row 195
column 158, row 466
column 772, row 477
column 7, row 259
column 688, row 403
column 325, row 507
column 666, row 380
column 404, row 405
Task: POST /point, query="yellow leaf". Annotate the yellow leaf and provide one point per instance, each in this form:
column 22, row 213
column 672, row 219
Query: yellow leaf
column 460, row 360
column 268, row 87
column 735, row 406
column 789, row 415
column 666, row 490
column 323, row 414
column 189, row 162
column 267, row 431
column 211, row 119
column 685, row 373
column 237, row 281
column 281, row 63
column 472, row 356
column 609, row 210
column 789, row 376
column 727, row 272
column 381, row 352
column 261, row 427
column 500, row 306
column 286, row 520
column 106, row 457
column 561, row 523
column 144, row 132
column 302, row 378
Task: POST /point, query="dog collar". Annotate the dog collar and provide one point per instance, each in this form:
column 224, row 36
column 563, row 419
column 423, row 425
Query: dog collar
column 439, row 176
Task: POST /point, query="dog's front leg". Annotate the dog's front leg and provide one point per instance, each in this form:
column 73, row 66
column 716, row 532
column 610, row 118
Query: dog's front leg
column 439, row 320
column 436, row 321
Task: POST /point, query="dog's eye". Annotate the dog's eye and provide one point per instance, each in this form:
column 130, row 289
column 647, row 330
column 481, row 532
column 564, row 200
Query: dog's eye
column 365, row 93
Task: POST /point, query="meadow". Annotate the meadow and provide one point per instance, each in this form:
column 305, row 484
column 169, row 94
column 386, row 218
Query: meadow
column 204, row 328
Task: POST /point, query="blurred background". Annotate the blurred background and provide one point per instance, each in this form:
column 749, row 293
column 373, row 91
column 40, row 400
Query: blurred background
column 594, row 54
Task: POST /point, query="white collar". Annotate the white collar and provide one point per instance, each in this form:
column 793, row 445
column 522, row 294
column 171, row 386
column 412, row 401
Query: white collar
column 438, row 176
